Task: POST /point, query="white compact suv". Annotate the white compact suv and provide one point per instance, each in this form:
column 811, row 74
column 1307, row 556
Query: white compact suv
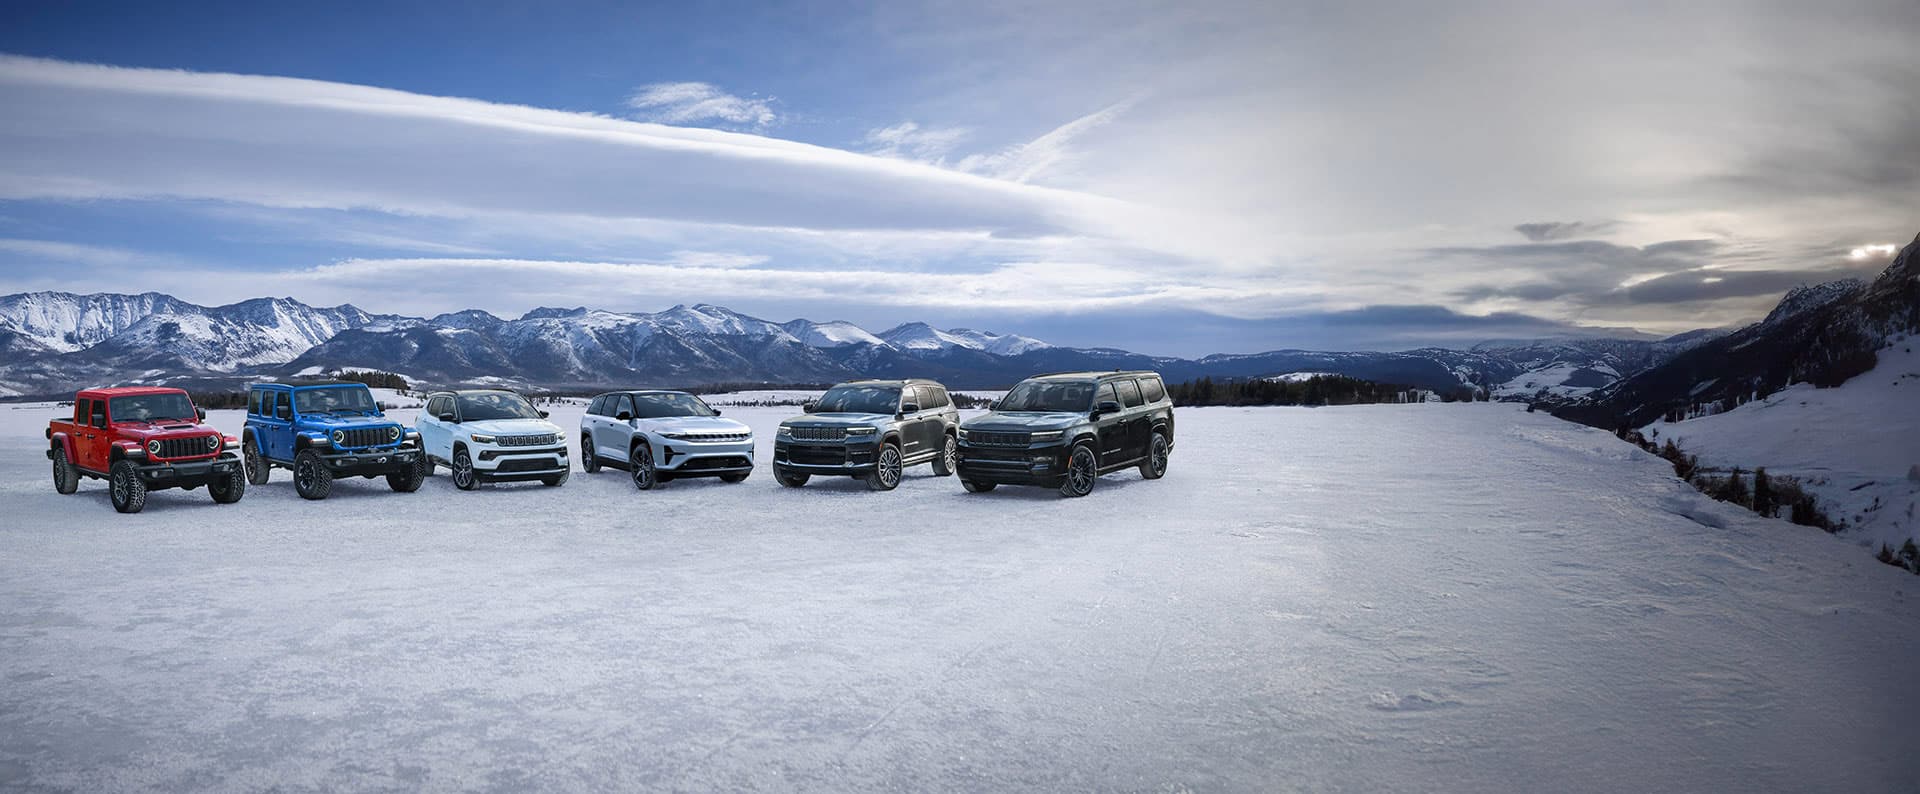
column 657, row 436
column 491, row 436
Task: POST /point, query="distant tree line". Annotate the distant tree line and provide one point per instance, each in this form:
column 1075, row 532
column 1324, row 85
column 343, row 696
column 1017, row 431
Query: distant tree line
column 377, row 380
column 1316, row 390
column 1768, row 495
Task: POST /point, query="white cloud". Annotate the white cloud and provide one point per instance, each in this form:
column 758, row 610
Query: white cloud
column 1028, row 161
column 695, row 103
column 72, row 253
column 910, row 141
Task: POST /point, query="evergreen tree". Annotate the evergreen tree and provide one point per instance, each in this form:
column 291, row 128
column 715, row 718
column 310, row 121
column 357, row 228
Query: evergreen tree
column 1734, row 489
column 1763, row 502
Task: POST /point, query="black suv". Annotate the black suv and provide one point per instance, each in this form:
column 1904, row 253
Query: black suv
column 871, row 430
column 1065, row 430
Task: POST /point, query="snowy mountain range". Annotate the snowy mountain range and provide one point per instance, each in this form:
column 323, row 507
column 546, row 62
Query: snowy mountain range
column 52, row 342
column 1821, row 335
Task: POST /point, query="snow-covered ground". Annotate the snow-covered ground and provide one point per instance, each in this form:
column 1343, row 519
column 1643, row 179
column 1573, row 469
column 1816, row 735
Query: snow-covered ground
column 1854, row 445
column 1417, row 597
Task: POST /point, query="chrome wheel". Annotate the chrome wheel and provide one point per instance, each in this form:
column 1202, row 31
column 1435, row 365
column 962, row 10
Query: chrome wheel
column 1082, row 470
column 949, row 457
column 886, row 469
column 464, row 477
column 587, row 461
column 1156, row 463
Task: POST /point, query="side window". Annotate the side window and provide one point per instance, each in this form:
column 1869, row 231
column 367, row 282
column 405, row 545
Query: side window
column 80, row 410
column 97, row 414
column 921, row 396
column 1155, row 391
column 438, row 406
column 1129, row 393
column 1105, row 395
column 939, row 397
column 593, row 408
column 623, row 403
column 253, row 401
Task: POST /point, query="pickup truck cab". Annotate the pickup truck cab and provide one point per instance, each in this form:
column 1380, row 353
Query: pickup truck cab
column 869, row 430
column 322, row 431
column 140, row 439
column 1065, row 430
column 488, row 435
column 657, row 436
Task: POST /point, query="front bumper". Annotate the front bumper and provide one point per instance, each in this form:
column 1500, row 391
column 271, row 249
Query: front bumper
column 825, row 457
column 368, row 462
column 187, row 474
column 702, row 459
column 508, row 464
column 1034, row 464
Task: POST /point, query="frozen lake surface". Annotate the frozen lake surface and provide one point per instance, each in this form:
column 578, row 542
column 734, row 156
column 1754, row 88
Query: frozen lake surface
column 1370, row 598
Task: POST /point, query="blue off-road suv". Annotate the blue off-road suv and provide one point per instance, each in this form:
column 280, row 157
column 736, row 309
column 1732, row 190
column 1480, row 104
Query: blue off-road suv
column 327, row 430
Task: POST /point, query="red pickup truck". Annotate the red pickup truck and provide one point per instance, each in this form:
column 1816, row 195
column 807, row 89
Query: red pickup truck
column 142, row 439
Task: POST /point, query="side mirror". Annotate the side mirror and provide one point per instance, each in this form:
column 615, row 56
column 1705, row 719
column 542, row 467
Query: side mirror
column 446, row 417
column 809, row 407
column 1106, row 407
column 543, row 414
column 909, row 408
column 993, row 405
column 717, row 412
column 624, row 416
column 200, row 412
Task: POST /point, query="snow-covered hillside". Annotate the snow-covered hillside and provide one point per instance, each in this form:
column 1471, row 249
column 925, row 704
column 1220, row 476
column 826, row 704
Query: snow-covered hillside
column 920, row 336
column 1410, row 598
column 1855, row 445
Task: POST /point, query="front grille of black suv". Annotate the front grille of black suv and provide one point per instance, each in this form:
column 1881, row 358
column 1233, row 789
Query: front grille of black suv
column 819, row 433
column 359, row 437
column 996, row 438
column 190, row 447
column 817, row 456
column 542, row 439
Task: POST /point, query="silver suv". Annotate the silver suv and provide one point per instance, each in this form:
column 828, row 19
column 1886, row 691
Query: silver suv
column 657, row 436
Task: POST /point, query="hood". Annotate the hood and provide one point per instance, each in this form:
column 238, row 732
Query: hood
column 839, row 420
column 676, row 424
column 1025, row 421
column 171, row 429
column 329, row 422
column 511, row 427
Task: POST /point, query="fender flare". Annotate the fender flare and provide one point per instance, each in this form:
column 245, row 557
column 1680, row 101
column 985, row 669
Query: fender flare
column 63, row 441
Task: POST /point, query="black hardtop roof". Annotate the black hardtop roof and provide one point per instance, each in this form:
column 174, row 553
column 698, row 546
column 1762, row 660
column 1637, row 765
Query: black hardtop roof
column 304, row 384
column 643, row 391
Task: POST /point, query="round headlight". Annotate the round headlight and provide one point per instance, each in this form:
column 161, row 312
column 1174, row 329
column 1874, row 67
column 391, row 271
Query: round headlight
column 339, row 436
column 393, row 433
column 213, row 442
column 153, row 447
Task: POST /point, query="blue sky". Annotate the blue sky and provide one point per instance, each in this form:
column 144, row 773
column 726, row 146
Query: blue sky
column 1167, row 177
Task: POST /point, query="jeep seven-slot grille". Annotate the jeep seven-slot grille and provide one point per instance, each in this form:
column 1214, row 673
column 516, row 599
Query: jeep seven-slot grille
column 368, row 437
column 190, row 447
column 714, row 438
column 820, row 433
column 540, row 440
column 996, row 438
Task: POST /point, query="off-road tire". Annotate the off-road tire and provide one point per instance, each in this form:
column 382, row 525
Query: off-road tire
column 465, row 477
column 1154, row 465
column 311, row 477
column 66, row 476
column 887, row 470
column 228, row 490
column 258, row 469
column 943, row 463
column 640, row 467
column 125, row 488
column 1083, row 470
column 588, row 462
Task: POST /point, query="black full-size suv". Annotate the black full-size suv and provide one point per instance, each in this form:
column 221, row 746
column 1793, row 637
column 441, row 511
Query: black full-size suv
column 1065, row 430
column 869, row 430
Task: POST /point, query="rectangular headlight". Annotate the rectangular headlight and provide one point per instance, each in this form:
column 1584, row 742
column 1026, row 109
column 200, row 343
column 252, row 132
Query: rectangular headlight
column 861, row 431
column 480, row 439
column 1047, row 435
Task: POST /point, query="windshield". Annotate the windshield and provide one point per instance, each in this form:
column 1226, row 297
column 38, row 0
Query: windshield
column 860, row 400
column 1042, row 395
column 657, row 406
column 335, row 399
column 152, row 408
column 481, row 406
